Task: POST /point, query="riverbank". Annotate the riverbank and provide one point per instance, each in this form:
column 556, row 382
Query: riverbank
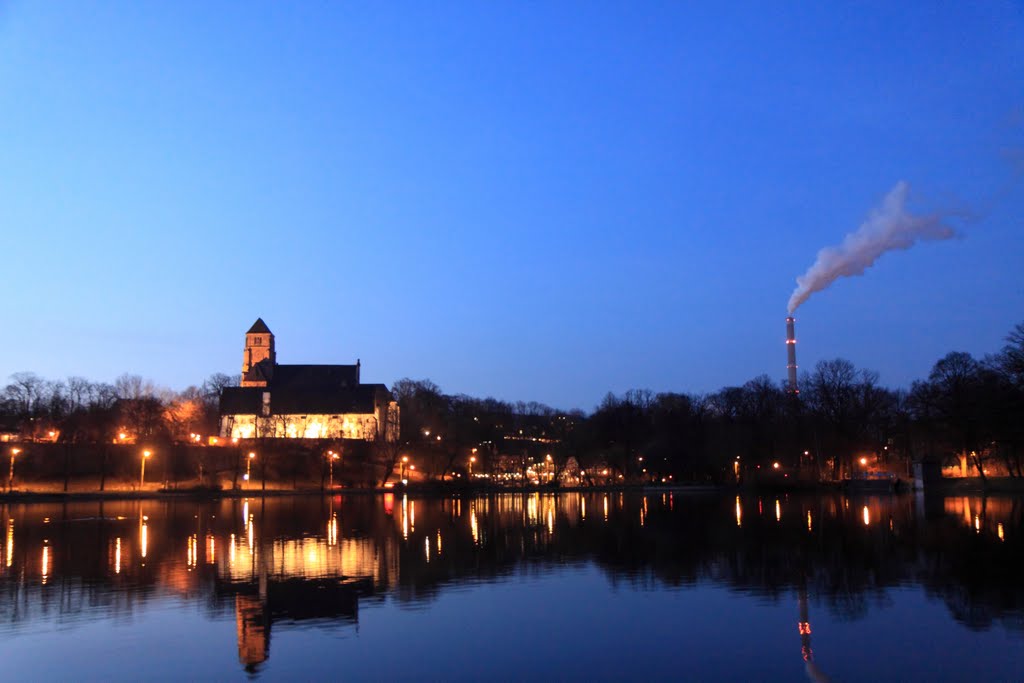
column 974, row 486
column 447, row 489
column 424, row 491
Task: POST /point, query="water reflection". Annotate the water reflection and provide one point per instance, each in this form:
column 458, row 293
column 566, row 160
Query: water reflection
column 277, row 562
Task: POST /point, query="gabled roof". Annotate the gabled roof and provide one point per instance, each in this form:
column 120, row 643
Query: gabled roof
column 260, row 372
column 308, row 377
column 316, row 401
column 259, row 327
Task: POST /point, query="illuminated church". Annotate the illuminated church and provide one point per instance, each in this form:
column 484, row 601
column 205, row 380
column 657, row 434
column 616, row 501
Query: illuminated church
column 303, row 401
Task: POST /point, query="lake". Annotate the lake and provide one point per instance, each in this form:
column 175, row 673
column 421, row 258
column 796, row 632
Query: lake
column 573, row 586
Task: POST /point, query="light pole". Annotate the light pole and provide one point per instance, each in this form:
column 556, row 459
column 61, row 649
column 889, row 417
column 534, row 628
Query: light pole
column 472, row 459
column 334, row 456
column 405, row 461
column 142, row 469
column 10, row 477
column 248, row 465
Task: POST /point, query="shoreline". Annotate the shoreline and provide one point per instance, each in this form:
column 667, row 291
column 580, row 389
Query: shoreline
column 444, row 489
column 418, row 491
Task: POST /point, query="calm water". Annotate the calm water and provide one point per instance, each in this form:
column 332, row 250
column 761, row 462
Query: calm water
column 573, row 586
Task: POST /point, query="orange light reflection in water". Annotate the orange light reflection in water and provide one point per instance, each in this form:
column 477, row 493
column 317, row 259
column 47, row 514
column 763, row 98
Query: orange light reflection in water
column 46, row 562
column 473, row 526
column 10, row 542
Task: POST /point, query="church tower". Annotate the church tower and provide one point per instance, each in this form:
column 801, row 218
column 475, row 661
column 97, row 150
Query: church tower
column 259, row 346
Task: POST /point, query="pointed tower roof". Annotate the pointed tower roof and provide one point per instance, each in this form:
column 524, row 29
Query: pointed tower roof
column 259, row 327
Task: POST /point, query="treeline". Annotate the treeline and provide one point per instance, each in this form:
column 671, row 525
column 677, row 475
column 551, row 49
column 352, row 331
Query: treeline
column 77, row 410
column 968, row 412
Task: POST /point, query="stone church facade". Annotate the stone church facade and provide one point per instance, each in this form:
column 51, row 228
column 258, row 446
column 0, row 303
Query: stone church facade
column 303, row 401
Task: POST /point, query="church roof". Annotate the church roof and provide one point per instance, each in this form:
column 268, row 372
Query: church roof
column 259, row 327
column 303, row 389
column 249, row 400
column 308, row 377
column 260, row 372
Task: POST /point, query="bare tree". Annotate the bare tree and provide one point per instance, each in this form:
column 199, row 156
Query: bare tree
column 387, row 446
column 129, row 386
column 25, row 389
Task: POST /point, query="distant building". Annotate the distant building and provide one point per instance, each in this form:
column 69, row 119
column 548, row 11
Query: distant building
column 303, row 401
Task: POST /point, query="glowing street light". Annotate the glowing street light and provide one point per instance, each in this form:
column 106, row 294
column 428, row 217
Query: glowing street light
column 405, row 461
column 776, row 465
column 863, row 461
column 472, row 459
column 334, row 456
column 248, row 465
column 142, row 469
column 10, row 477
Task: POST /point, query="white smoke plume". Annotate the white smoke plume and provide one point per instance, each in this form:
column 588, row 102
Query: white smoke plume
column 888, row 227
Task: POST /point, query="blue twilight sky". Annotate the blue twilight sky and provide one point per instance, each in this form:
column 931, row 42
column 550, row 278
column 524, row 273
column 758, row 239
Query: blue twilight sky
column 540, row 201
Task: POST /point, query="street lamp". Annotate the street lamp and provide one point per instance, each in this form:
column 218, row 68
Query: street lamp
column 142, row 470
column 472, row 459
column 10, row 477
column 405, row 461
column 334, row 456
column 248, row 465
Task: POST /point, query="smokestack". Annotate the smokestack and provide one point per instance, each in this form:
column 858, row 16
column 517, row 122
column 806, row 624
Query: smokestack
column 791, row 353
